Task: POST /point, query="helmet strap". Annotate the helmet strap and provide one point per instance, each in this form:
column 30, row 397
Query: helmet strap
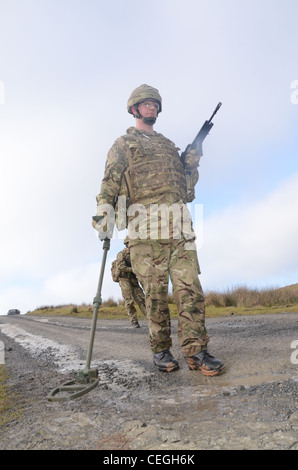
column 148, row 120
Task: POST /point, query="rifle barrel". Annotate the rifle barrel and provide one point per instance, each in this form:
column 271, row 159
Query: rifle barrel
column 215, row 111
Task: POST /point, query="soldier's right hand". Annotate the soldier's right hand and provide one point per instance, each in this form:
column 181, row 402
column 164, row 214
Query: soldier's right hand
column 104, row 233
column 96, row 219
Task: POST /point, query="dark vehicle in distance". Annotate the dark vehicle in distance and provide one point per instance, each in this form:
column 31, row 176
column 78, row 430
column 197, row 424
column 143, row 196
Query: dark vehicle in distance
column 13, row 311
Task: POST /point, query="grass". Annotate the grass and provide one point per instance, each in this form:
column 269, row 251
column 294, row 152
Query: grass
column 237, row 301
column 8, row 408
column 116, row 311
column 243, row 301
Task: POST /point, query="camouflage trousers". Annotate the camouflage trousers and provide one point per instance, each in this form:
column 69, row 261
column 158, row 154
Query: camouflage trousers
column 153, row 263
column 132, row 293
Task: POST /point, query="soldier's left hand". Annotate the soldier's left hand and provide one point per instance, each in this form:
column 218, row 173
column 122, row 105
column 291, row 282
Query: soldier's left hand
column 192, row 160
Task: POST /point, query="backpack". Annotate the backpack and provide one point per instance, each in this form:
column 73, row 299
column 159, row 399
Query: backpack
column 115, row 271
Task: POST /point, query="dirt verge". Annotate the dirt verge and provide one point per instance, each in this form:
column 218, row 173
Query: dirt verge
column 252, row 406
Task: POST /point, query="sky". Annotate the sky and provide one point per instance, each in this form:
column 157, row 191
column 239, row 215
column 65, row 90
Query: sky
column 67, row 69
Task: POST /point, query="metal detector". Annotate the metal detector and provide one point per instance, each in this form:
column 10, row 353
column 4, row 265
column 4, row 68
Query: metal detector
column 87, row 378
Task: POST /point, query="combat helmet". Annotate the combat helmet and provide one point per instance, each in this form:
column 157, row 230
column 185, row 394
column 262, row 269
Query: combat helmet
column 142, row 93
column 126, row 240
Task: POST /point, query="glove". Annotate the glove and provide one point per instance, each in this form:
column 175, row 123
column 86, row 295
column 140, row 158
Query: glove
column 96, row 219
column 192, row 160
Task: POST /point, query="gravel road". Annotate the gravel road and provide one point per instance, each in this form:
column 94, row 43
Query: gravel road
column 252, row 406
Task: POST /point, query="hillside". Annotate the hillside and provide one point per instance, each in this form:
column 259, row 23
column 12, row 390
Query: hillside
column 237, row 301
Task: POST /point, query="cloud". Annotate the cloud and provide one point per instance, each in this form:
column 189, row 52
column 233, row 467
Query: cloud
column 64, row 108
column 254, row 244
column 72, row 286
column 79, row 285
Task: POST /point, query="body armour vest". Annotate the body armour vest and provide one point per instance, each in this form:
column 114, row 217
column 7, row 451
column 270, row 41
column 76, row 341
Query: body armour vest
column 155, row 171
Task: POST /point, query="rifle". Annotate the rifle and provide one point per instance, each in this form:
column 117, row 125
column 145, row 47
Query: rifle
column 202, row 134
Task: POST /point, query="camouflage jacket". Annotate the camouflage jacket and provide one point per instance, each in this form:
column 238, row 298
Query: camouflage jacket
column 124, row 264
column 146, row 169
column 114, row 182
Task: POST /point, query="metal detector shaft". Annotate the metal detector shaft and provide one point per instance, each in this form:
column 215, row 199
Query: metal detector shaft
column 97, row 303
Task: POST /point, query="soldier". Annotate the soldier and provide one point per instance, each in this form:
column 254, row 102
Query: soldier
column 130, row 288
column 145, row 166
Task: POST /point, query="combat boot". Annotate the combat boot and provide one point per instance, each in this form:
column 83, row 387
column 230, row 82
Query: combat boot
column 165, row 361
column 206, row 363
column 135, row 324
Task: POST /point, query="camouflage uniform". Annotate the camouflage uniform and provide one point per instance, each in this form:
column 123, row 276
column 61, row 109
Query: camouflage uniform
column 130, row 288
column 147, row 169
column 153, row 262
